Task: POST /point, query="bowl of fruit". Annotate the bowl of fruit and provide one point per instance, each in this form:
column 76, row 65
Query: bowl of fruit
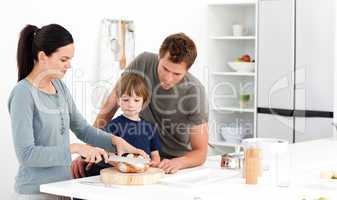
column 243, row 64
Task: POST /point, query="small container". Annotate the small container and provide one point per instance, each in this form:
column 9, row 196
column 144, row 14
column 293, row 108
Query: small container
column 237, row 30
column 283, row 166
column 274, row 159
column 242, row 66
column 232, row 161
column 244, row 100
column 252, row 169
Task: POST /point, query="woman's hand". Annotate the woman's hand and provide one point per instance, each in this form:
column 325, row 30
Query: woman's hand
column 91, row 154
column 124, row 147
column 78, row 167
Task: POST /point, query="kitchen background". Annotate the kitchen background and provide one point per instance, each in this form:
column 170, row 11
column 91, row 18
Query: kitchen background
column 153, row 20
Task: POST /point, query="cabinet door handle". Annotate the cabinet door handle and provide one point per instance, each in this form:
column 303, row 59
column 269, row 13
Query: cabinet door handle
column 335, row 125
column 269, row 0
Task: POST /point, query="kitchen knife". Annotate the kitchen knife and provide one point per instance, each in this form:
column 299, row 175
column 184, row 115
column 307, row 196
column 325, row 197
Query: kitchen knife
column 128, row 160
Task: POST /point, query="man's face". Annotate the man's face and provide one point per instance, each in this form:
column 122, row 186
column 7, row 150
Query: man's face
column 169, row 73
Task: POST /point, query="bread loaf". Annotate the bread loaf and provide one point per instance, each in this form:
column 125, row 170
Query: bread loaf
column 128, row 168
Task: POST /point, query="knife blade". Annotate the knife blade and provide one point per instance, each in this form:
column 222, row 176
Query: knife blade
column 128, row 160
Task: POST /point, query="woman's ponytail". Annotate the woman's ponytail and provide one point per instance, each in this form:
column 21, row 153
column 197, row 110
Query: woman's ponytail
column 25, row 56
column 33, row 40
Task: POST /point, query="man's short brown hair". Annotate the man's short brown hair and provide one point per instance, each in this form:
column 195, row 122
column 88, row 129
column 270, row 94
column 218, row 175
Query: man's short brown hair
column 181, row 49
column 132, row 82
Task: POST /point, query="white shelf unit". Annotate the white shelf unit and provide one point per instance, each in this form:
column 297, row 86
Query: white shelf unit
column 234, row 109
column 233, row 38
column 230, row 2
column 233, row 73
column 223, row 144
column 225, row 85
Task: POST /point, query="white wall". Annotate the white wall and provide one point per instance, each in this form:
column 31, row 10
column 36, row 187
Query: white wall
column 82, row 19
column 335, row 72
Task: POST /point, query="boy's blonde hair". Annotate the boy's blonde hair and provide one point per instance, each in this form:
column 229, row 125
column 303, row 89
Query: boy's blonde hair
column 132, row 82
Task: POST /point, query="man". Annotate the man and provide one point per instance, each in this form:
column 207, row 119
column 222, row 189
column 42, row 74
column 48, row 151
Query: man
column 178, row 104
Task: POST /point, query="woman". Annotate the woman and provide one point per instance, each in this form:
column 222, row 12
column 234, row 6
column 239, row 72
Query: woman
column 42, row 111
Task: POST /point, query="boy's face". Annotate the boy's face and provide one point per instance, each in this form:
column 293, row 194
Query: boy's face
column 131, row 105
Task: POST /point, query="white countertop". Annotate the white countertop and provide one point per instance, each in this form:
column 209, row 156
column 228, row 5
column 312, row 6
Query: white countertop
column 211, row 182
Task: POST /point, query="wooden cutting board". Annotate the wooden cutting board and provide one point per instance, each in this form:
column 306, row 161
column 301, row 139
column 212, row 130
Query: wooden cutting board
column 111, row 176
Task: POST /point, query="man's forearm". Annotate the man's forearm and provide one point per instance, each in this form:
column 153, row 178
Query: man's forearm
column 102, row 119
column 108, row 110
column 192, row 159
column 199, row 143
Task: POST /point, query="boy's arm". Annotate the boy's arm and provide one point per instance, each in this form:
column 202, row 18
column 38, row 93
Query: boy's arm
column 155, row 158
column 155, row 146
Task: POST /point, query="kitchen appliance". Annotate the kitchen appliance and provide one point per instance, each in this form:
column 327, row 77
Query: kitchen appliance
column 295, row 69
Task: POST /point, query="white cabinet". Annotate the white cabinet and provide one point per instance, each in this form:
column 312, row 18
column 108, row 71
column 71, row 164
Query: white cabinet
column 315, row 54
column 276, row 54
column 275, row 126
column 296, row 65
column 292, row 87
column 225, row 84
column 312, row 128
column 314, row 67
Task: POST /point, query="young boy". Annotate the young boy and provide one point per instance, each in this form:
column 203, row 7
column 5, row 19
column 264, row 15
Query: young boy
column 133, row 95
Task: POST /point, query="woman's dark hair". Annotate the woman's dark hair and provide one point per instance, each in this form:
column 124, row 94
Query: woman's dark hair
column 33, row 40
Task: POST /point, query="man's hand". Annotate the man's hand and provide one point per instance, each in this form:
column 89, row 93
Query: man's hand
column 193, row 158
column 170, row 166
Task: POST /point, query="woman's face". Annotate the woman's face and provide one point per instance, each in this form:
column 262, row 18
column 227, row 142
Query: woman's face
column 57, row 64
column 131, row 105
